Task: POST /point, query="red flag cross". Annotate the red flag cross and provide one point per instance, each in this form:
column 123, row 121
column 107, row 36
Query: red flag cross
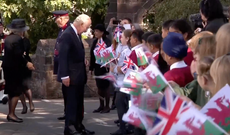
column 101, row 46
column 128, row 62
column 172, row 107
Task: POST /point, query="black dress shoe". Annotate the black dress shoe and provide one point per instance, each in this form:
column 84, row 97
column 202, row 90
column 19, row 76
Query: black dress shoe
column 61, row 118
column 113, row 107
column 88, row 132
column 24, row 110
column 98, row 110
column 118, row 132
column 129, row 131
column 14, row 120
column 105, row 110
column 116, row 121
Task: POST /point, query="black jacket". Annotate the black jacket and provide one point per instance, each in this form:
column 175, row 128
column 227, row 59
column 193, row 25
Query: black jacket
column 72, row 58
column 13, row 52
column 214, row 25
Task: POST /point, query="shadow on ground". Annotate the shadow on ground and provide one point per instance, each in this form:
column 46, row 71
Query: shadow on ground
column 43, row 121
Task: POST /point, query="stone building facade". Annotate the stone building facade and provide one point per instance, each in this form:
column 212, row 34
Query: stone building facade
column 134, row 9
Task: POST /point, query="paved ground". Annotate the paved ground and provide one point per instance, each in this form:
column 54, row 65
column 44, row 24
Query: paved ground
column 43, row 121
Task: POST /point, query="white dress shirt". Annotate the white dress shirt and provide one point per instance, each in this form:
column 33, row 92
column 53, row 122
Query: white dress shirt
column 179, row 64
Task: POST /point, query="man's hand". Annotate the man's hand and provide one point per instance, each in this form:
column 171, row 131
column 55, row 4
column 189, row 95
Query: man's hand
column 30, row 66
column 111, row 21
column 198, row 30
column 86, row 62
column 66, row 82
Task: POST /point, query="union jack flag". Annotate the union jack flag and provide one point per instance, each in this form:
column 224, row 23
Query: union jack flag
column 117, row 34
column 169, row 113
column 128, row 64
column 100, row 46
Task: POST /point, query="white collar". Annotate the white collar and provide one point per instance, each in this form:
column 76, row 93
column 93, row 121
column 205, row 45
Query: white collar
column 155, row 54
column 179, row 64
column 136, row 47
column 75, row 30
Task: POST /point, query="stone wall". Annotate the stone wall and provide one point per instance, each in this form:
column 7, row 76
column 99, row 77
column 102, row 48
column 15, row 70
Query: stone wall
column 43, row 82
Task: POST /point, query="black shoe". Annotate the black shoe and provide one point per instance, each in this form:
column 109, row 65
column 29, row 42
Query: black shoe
column 113, row 107
column 105, row 110
column 116, row 121
column 14, row 120
column 87, row 132
column 129, row 131
column 118, row 132
column 98, row 110
column 61, row 118
column 24, row 110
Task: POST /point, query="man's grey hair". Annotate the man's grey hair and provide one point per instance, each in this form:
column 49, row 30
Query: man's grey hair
column 81, row 19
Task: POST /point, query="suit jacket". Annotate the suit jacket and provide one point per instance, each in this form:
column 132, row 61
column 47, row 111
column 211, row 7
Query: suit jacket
column 72, row 58
column 13, row 52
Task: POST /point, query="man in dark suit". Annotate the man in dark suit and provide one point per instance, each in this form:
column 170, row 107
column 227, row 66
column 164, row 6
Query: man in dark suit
column 62, row 20
column 72, row 73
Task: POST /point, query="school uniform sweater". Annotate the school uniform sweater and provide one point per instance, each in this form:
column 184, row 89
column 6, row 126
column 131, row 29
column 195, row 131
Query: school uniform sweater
column 180, row 73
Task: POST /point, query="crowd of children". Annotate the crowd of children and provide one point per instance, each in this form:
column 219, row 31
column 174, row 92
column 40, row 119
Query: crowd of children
column 195, row 63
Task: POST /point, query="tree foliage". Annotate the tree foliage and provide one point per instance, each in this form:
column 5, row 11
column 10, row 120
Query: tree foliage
column 172, row 9
column 37, row 14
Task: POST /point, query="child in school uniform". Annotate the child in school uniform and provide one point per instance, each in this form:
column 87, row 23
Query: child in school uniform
column 204, row 78
column 174, row 50
column 145, row 37
column 122, row 99
column 204, row 46
column 181, row 26
column 154, row 44
column 135, row 42
column 165, row 28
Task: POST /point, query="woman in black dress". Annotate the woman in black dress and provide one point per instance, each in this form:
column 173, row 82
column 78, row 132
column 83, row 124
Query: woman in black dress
column 13, row 65
column 26, row 77
column 102, row 85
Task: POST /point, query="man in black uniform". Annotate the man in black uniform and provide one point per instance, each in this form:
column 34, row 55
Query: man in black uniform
column 62, row 20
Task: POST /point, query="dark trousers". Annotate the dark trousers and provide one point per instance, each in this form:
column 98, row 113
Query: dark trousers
column 139, row 131
column 74, row 106
column 64, row 93
column 122, row 104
